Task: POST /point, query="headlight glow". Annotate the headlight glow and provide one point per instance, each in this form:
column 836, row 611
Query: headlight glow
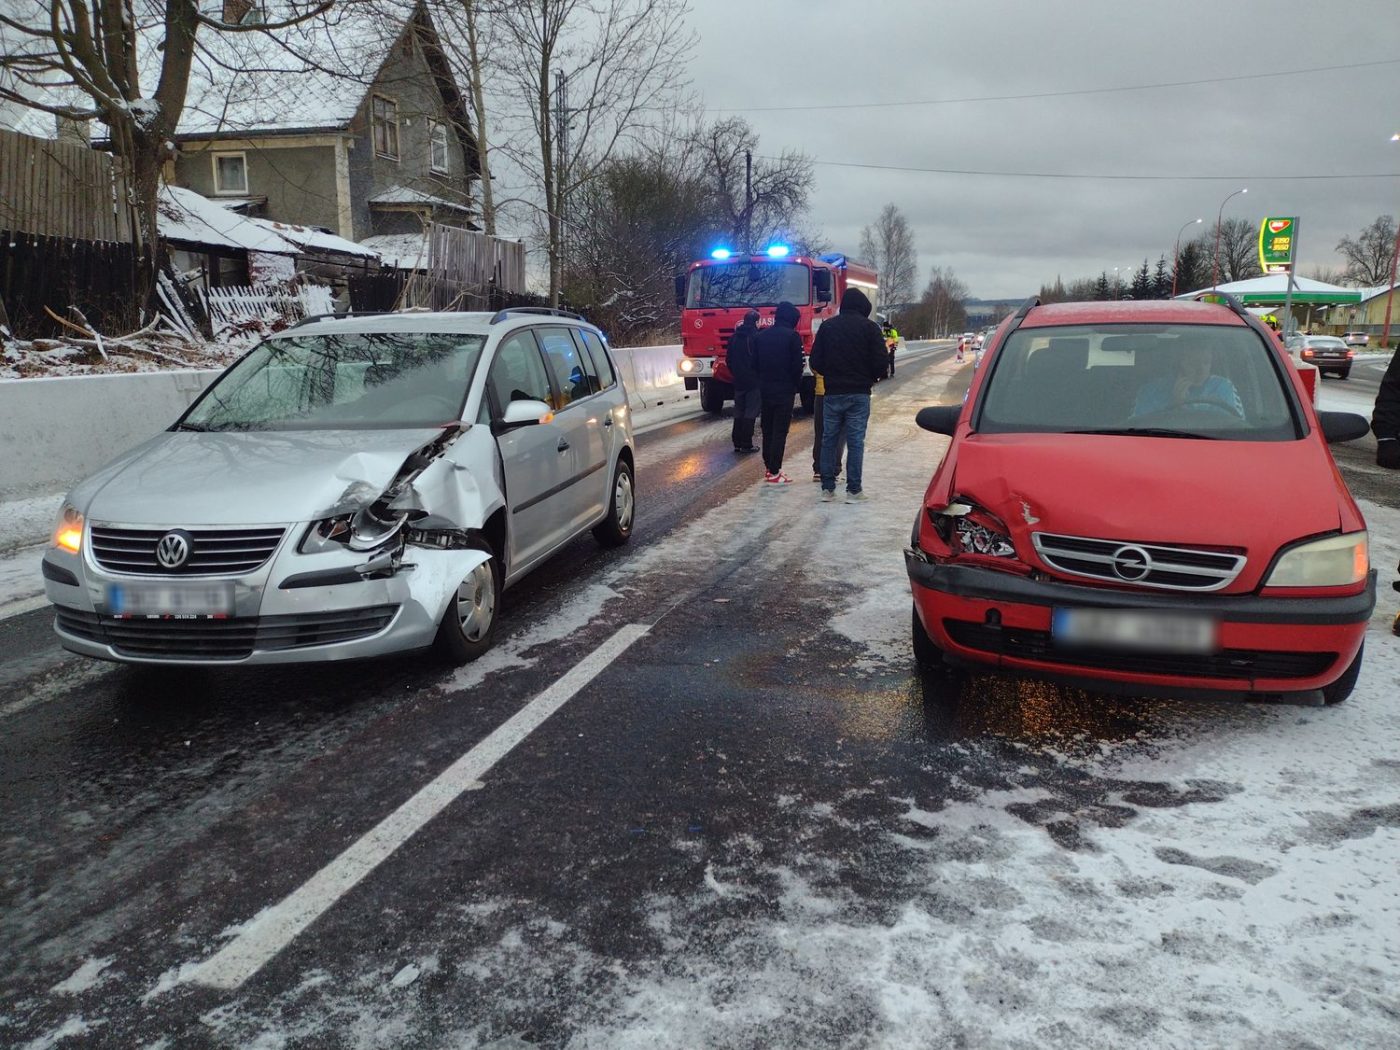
column 1335, row 561
column 68, row 531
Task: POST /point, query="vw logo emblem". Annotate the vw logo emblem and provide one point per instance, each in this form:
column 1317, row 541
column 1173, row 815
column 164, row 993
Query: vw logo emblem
column 173, row 549
column 1131, row 563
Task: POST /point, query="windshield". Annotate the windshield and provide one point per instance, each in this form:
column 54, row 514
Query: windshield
column 381, row 381
column 1171, row 381
column 749, row 284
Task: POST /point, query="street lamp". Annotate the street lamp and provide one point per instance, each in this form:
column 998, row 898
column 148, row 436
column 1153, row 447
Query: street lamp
column 1176, row 252
column 1219, row 217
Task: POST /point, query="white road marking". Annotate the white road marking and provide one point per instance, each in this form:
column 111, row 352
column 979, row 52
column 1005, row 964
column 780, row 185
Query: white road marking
column 22, row 605
column 275, row 927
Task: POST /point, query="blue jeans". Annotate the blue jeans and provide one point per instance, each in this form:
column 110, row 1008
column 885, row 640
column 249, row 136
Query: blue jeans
column 851, row 411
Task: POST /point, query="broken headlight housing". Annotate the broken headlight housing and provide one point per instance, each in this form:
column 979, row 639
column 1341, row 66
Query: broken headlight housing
column 977, row 531
column 367, row 529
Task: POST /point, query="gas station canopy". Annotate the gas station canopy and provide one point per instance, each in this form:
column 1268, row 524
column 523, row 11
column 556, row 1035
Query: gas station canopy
column 1272, row 290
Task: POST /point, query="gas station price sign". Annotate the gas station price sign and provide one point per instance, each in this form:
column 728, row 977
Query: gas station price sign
column 1277, row 241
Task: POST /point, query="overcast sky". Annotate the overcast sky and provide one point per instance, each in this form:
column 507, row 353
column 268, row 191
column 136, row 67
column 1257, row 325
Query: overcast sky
column 1004, row 236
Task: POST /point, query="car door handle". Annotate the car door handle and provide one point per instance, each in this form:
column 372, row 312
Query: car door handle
column 563, row 445
column 607, row 420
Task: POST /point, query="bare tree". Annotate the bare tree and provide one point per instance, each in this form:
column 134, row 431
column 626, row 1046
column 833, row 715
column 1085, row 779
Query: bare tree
column 127, row 63
column 760, row 198
column 940, row 309
column 1369, row 255
column 1326, row 274
column 1239, row 250
column 888, row 245
column 470, row 38
column 591, row 74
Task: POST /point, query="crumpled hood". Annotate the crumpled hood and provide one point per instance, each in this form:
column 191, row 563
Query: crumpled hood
column 255, row 478
column 1254, row 495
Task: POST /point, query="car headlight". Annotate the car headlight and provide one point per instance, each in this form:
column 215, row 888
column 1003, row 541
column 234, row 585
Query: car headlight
column 1335, row 561
column 365, row 530
column 68, row 530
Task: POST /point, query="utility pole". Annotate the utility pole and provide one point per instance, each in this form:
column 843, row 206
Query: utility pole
column 561, row 144
column 1390, row 292
column 748, row 201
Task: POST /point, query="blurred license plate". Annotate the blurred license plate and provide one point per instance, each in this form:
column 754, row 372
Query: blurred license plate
column 1146, row 632
column 168, row 599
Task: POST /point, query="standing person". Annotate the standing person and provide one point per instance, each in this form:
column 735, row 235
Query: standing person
column 777, row 355
column 891, row 341
column 738, row 355
column 850, row 354
column 1385, row 424
column 962, row 343
column 818, row 414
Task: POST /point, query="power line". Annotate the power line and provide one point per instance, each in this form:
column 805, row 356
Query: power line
column 1056, row 94
column 1092, row 175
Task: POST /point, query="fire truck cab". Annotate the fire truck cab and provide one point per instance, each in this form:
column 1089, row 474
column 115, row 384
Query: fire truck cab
column 715, row 293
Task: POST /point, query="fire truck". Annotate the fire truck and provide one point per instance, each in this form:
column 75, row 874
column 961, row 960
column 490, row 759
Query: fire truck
column 715, row 293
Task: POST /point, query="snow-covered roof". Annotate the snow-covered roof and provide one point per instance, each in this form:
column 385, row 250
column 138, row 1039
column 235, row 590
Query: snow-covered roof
column 311, row 239
column 402, row 251
column 186, row 216
column 1367, row 294
column 1274, row 287
column 405, row 195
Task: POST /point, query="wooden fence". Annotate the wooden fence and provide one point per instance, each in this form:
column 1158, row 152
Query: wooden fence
column 233, row 308
column 59, row 272
column 61, row 189
column 468, row 259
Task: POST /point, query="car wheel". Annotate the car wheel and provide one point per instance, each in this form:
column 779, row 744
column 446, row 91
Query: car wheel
column 711, row 397
column 1344, row 374
column 616, row 528
column 468, row 626
column 1342, row 687
column 927, row 655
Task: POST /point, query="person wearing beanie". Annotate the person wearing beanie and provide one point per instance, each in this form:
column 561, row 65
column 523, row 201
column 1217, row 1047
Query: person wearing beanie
column 738, row 355
column 777, row 354
column 849, row 352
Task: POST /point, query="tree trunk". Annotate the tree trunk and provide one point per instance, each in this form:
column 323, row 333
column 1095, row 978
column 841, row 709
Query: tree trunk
column 483, row 152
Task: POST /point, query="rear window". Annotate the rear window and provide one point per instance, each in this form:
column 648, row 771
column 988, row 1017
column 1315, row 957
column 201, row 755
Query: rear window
column 1328, row 342
column 1203, row 381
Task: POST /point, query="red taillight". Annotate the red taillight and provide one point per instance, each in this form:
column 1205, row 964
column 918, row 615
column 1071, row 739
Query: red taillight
column 1351, row 354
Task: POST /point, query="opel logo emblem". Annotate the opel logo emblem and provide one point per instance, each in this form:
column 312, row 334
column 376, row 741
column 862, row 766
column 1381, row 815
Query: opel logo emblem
column 1131, row 563
column 173, row 549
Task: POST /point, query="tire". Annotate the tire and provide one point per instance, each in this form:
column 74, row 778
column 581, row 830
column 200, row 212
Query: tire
column 711, row 396
column 927, row 655
column 616, row 528
column 1342, row 687
column 468, row 626
column 1345, row 373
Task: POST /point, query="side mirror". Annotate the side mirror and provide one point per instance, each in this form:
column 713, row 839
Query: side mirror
column 526, row 413
column 941, row 419
column 1343, row 426
column 680, row 289
column 821, row 284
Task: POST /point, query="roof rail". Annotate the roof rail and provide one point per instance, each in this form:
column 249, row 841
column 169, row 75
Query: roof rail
column 547, row 311
column 1025, row 308
column 1224, row 299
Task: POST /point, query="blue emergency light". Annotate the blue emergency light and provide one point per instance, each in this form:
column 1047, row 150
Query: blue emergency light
column 777, row 251
column 721, row 253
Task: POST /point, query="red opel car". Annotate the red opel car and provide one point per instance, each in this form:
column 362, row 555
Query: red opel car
column 1139, row 497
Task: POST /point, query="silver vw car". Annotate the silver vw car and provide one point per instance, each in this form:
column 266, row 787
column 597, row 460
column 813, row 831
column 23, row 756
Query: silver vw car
column 350, row 487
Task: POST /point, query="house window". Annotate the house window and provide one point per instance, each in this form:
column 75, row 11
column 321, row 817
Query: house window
column 231, row 173
column 437, row 148
column 385, row 118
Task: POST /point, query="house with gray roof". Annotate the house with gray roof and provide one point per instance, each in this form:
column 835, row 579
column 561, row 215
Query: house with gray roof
column 351, row 123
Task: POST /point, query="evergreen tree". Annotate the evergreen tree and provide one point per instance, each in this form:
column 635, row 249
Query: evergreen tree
column 1102, row 288
column 1192, row 268
column 1142, row 283
column 1162, row 280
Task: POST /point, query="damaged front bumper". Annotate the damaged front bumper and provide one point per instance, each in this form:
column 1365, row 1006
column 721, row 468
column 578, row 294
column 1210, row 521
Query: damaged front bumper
column 295, row 608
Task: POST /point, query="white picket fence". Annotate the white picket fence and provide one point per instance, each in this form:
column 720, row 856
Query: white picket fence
column 254, row 309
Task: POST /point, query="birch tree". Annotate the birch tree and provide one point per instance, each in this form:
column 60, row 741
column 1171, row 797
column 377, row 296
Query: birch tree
column 127, row 64
column 888, row 245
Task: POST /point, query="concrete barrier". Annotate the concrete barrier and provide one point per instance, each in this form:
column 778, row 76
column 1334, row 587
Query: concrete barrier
column 54, row 432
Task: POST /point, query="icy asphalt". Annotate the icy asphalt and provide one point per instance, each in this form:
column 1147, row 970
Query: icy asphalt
column 745, row 824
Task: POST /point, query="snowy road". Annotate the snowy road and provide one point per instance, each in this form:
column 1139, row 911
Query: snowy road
column 743, row 822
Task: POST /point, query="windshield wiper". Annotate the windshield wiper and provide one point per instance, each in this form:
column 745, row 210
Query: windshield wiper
column 195, row 427
column 1147, row 432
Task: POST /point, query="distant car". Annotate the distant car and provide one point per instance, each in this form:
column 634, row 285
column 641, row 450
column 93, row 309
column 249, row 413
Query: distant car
column 1326, row 352
column 1138, row 497
column 1356, row 339
column 349, row 488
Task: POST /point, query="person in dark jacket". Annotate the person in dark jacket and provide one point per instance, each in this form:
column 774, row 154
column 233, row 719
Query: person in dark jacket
column 1385, row 418
column 777, row 354
column 738, row 355
column 849, row 352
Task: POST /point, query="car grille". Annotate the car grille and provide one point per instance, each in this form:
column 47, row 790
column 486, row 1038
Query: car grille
column 213, row 552
column 231, row 639
column 1142, row 564
column 1240, row 664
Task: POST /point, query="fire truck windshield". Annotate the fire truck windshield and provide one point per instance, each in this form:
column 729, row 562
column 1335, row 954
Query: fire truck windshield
column 743, row 283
